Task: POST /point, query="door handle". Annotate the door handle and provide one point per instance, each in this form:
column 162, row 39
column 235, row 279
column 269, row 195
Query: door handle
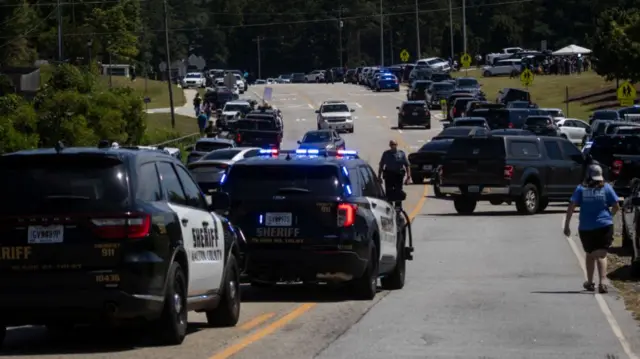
column 205, row 223
column 184, row 221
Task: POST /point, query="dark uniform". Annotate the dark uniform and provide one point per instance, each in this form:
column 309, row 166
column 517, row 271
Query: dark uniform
column 393, row 166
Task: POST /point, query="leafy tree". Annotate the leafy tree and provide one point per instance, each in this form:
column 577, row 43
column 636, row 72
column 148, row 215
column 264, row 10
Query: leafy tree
column 616, row 46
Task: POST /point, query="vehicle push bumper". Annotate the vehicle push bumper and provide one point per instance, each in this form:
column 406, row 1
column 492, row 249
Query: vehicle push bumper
column 476, row 190
column 339, row 126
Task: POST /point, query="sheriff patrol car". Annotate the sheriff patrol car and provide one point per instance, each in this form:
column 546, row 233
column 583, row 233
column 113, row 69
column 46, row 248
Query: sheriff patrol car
column 116, row 234
column 315, row 216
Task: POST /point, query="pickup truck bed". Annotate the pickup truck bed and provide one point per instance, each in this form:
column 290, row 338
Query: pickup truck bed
column 252, row 133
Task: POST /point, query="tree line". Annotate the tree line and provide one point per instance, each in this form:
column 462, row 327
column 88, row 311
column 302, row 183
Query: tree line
column 294, row 35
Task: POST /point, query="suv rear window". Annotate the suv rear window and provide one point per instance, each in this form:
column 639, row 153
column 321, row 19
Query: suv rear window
column 437, row 145
column 211, row 146
column 414, row 106
column 270, row 180
column 440, row 77
column 420, row 85
column 62, row 184
column 477, row 148
column 461, row 103
column 474, row 123
column 604, row 147
column 537, row 121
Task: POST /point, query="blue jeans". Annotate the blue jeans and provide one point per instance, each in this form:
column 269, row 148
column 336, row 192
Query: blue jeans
column 198, row 110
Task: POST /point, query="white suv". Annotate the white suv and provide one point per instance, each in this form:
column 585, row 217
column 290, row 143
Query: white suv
column 335, row 115
column 194, row 79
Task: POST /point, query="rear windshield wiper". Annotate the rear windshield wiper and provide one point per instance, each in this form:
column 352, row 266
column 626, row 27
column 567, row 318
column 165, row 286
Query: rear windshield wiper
column 293, row 190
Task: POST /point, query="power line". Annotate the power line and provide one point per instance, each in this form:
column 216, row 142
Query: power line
column 308, row 21
column 24, row 35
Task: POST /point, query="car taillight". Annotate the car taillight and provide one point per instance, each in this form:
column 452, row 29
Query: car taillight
column 454, row 111
column 238, row 138
column 510, row 125
column 346, row 214
column 126, row 226
column 508, row 172
column 616, row 168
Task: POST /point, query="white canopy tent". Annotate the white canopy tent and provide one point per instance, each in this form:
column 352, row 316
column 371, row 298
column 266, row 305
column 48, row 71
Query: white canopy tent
column 572, row 50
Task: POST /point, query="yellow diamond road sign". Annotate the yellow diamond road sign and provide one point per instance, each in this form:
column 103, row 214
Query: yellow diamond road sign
column 404, row 55
column 526, row 77
column 465, row 60
column 626, row 94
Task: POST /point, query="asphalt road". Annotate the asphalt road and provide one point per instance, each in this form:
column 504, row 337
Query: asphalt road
column 491, row 285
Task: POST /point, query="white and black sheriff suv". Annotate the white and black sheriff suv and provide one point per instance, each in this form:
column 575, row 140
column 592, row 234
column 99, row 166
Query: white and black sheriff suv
column 92, row 235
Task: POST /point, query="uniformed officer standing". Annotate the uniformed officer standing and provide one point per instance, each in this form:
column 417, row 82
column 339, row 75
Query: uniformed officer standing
column 393, row 167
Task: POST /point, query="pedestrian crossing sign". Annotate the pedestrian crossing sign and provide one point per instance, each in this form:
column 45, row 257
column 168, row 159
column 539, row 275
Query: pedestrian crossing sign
column 626, row 94
column 404, row 55
column 526, row 77
column 465, row 60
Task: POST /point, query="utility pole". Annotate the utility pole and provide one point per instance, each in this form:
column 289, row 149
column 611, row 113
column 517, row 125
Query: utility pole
column 418, row 53
column 451, row 26
column 381, row 36
column 59, row 16
column 390, row 45
column 168, row 50
column 257, row 41
column 341, row 25
column 464, row 24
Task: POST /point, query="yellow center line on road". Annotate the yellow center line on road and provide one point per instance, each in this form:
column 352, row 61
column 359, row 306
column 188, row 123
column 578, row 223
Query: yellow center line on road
column 257, row 321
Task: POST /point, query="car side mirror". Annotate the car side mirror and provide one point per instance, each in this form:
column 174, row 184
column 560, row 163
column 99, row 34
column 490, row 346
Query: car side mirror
column 353, row 110
column 317, row 111
column 189, row 148
column 396, row 196
column 635, row 201
column 397, row 107
column 299, row 142
column 220, row 201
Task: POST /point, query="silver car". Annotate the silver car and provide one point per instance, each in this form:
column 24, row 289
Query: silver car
column 335, row 115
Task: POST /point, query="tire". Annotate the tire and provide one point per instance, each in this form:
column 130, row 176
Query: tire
column 544, row 202
column 417, row 179
column 377, row 90
column 529, row 201
column 352, row 130
column 627, row 238
column 395, row 279
column 3, row 334
column 496, row 202
column 486, row 74
column 464, row 205
column 400, row 125
column 171, row 327
column 227, row 313
column 365, row 287
column 435, row 183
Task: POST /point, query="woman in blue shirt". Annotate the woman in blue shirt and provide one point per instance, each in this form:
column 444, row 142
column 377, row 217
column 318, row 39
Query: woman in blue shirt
column 595, row 198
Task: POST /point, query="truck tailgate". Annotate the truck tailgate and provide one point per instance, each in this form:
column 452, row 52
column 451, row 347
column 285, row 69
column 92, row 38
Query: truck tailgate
column 258, row 138
column 475, row 161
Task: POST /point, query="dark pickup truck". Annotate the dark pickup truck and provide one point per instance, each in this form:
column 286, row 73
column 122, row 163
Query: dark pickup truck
column 257, row 133
column 427, row 159
column 530, row 171
column 619, row 157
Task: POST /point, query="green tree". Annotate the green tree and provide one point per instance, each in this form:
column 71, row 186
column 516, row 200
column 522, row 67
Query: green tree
column 616, row 45
column 17, row 30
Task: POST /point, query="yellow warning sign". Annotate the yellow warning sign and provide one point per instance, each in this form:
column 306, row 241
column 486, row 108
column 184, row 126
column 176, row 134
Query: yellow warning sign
column 526, row 77
column 626, row 94
column 465, row 60
column 404, row 55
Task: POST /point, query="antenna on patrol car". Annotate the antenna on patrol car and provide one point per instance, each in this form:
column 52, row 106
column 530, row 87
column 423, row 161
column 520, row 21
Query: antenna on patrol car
column 59, row 146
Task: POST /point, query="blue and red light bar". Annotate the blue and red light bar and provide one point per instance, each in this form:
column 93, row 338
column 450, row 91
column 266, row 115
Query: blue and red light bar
column 311, row 152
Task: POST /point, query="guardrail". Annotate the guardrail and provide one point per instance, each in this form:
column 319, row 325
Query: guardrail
column 176, row 142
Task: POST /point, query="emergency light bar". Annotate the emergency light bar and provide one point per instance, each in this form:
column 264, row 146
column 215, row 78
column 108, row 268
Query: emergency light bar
column 311, row 152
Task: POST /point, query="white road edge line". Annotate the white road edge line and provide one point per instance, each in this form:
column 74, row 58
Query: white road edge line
column 310, row 106
column 604, row 307
column 358, row 105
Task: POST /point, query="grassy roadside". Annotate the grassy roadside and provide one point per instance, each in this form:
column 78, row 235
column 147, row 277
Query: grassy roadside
column 159, row 127
column 619, row 268
column 156, row 91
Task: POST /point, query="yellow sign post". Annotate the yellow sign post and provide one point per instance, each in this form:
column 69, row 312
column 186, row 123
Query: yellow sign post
column 626, row 94
column 404, row 55
column 465, row 60
column 526, row 78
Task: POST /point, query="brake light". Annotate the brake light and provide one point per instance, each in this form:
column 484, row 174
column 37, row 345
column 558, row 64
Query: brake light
column 346, row 214
column 125, row 226
column 238, row 138
column 454, row 111
column 510, row 125
column 508, row 172
column 222, row 165
column 616, row 168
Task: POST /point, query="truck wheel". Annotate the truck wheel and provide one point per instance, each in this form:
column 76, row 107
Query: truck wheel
column 435, row 182
column 171, row 327
column 400, row 125
column 529, row 201
column 366, row 287
column 395, row 279
column 627, row 238
column 496, row 202
column 227, row 313
column 464, row 205
column 486, row 74
column 544, row 202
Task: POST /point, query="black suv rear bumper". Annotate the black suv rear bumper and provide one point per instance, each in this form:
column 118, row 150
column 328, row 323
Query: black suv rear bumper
column 76, row 306
column 483, row 192
column 329, row 265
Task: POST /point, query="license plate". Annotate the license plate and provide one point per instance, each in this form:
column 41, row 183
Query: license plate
column 45, row 234
column 427, row 167
column 474, row 189
column 415, row 114
column 279, row 219
column 213, row 190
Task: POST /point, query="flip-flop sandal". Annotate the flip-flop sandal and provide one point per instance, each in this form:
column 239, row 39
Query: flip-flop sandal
column 603, row 289
column 591, row 287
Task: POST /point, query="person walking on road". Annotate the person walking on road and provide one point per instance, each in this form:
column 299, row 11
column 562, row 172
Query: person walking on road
column 598, row 204
column 202, row 122
column 393, row 167
column 197, row 102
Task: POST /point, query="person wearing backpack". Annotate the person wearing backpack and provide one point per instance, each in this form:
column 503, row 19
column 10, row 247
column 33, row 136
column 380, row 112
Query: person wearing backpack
column 598, row 204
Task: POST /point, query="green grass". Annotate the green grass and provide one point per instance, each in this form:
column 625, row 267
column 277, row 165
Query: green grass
column 548, row 91
column 162, row 122
column 157, row 91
